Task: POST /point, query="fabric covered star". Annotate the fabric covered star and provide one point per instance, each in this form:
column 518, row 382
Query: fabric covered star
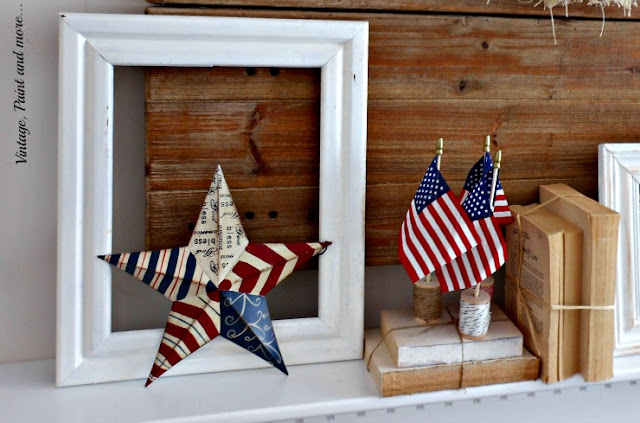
column 217, row 283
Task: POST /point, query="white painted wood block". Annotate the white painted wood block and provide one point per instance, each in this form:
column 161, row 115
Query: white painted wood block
column 420, row 344
column 413, row 343
column 502, row 341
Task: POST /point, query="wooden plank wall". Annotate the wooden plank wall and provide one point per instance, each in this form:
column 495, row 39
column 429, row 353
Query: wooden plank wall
column 430, row 75
column 490, row 7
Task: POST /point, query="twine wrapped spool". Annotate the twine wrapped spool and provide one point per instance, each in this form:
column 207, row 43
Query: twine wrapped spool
column 475, row 314
column 427, row 300
column 487, row 286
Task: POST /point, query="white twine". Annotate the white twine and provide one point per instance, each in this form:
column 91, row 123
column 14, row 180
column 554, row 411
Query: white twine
column 474, row 318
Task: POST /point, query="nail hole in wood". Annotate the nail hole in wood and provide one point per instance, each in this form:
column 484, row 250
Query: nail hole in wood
column 274, row 71
column 249, row 215
column 191, row 226
column 250, row 71
column 273, row 214
column 485, row 45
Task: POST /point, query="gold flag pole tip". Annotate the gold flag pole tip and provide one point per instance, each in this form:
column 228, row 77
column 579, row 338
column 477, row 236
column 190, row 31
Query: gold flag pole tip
column 487, row 144
column 439, row 146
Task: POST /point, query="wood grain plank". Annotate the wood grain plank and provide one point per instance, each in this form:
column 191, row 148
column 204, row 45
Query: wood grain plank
column 540, row 139
column 258, row 144
column 172, row 215
column 225, row 84
column 443, row 57
column 459, row 6
column 276, row 143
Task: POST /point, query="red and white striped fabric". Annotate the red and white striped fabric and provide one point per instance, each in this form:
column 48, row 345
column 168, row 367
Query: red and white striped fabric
column 435, row 230
column 501, row 210
column 478, row 263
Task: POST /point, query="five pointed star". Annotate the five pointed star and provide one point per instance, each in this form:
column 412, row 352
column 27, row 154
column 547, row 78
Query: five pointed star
column 217, row 283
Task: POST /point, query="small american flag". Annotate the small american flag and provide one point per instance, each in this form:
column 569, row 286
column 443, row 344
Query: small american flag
column 501, row 210
column 436, row 229
column 480, row 262
column 475, row 175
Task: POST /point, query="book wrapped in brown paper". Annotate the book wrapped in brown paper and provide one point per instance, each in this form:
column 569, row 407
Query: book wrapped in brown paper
column 543, row 271
column 599, row 225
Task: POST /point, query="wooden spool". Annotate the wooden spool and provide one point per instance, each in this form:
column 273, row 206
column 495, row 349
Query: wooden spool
column 468, row 296
column 427, row 300
column 487, row 286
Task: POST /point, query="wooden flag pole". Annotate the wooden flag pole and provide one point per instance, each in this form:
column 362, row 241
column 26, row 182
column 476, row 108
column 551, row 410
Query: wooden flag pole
column 494, row 181
column 487, row 149
column 439, row 146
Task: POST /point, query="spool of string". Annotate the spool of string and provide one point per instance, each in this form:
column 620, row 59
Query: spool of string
column 487, row 286
column 427, row 300
column 475, row 314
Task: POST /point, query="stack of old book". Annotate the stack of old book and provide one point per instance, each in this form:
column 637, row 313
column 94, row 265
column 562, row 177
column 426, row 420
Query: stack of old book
column 408, row 355
column 560, row 282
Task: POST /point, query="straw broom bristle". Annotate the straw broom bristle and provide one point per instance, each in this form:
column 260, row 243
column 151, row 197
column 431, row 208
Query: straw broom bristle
column 550, row 4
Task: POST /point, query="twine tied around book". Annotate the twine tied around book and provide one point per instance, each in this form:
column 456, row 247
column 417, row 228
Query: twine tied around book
column 518, row 277
column 427, row 327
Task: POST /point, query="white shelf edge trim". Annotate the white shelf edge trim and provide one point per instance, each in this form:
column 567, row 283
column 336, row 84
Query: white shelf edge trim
column 319, row 393
column 625, row 369
column 619, row 189
column 90, row 45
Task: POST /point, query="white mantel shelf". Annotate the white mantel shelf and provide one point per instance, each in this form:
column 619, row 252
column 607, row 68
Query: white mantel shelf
column 28, row 394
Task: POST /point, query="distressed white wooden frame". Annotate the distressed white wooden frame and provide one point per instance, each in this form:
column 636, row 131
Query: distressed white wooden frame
column 619, row 189
column 90, row 45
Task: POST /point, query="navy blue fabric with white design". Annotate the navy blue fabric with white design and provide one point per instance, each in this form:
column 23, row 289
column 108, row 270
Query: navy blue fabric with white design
column 245, row 321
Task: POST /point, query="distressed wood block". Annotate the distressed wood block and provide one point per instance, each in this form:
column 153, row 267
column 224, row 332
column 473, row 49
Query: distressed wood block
column 392, row 380
column 419, row 344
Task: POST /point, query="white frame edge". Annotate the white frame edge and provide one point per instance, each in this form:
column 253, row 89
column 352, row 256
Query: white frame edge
column 90, row 45
column 619, row 189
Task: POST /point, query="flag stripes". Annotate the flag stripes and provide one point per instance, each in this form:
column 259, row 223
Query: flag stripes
column 477, row 264
column 501, row 208
column 438, row 235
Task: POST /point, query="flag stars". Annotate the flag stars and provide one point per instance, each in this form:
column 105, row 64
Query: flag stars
column 431, row 188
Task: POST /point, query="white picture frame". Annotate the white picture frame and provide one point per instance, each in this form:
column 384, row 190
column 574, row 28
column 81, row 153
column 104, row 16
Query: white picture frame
column 90, row 46
column 619, row 189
